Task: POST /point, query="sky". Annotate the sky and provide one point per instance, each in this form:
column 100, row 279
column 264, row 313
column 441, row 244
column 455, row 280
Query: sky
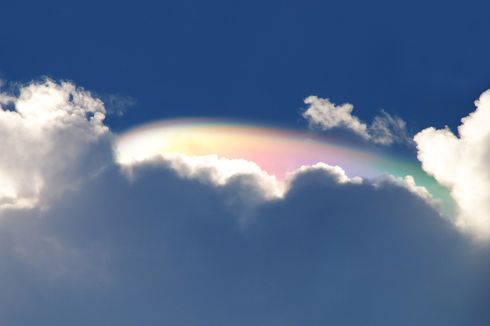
column 244, row 163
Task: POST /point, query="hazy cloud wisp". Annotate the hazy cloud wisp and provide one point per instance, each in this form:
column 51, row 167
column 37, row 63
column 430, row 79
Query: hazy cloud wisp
column 385, row 128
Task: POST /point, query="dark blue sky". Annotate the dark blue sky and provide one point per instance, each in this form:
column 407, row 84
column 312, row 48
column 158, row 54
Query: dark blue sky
column 424, row 61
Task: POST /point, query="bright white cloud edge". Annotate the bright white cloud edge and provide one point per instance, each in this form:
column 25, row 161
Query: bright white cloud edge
column 49, row 135
column 461, row 162
column 52, row 131
column 385, row 128
column 218, row 171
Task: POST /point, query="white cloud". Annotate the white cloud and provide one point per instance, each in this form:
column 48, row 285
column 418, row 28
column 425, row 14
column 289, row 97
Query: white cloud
column 171, row 237
column 462, row 163
column 220, row 172
column 408, row 183
column 151, row 251
column 53, row 135
column 212, row 169
column 327, row 115
column 52, row 131
column 385, row 128
column 45, row 135
column 336, row 172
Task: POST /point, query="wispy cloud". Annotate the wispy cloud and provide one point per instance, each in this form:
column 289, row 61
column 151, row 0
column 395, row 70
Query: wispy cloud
column 385, row 128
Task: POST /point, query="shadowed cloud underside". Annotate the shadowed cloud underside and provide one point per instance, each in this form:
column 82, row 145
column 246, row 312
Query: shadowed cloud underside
column 277, row 151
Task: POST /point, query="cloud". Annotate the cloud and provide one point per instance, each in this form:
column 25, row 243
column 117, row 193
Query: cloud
column 163, row 249
column 178, row 240
column 385, row 128
column 118, row 105
column 219, row 171
column 327, row 115
column 46, row 132
column 461, row 162
column 209, row 169
column 49, row 132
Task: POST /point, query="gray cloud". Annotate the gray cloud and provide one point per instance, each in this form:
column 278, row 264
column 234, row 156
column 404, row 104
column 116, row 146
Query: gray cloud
column 166, row 250
column 201, row 241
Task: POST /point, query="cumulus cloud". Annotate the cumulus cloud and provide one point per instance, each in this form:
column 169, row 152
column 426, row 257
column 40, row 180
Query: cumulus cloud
column 220, row 172
column 47, row 132
column 163, row 249
column 50, row 130
column 385, row 128
column 169, row 245
column 214, row 170
column 461, row 162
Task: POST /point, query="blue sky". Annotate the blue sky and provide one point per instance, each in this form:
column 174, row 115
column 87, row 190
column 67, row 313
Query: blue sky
column 257, row 60
column 103, row 227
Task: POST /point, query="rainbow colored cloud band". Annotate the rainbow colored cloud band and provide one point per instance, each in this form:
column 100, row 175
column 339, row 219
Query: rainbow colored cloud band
column 277, row 151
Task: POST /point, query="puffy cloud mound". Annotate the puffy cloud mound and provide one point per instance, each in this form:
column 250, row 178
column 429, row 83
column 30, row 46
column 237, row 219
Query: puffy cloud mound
column 48, row 133
column 168, row 250
column 385, row 128
column 462, row 163
column 211, row 241
column 211, row 169
column 221, row 172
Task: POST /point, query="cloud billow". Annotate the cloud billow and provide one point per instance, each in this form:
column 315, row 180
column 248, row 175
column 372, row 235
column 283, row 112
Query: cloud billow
column 162, row 249
column 193, row 241
column 461, row 162
column 48, row 133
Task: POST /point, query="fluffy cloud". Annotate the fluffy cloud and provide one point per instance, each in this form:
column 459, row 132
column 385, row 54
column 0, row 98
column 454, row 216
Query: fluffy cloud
column 327, row 115
column 163, row 249
column 210, row 241
column 211, row 169
column 220, row 172
column 461, row 162
column 47, row 131
column 385, row 128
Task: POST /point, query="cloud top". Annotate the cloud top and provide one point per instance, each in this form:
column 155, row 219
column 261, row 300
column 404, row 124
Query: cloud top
column 46, row 131
column 152, row 249
column 461, row 162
